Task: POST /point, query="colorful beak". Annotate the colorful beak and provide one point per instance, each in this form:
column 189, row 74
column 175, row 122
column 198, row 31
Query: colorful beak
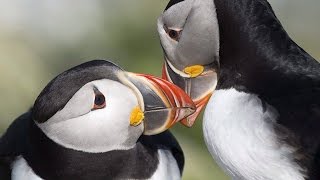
column 197, row 81
column 162, row 102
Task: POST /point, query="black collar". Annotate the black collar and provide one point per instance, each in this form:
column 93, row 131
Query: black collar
column 52, row 161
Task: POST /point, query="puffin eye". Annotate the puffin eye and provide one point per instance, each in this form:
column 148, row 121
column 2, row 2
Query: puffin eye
column 173, row 34
column 99, row 102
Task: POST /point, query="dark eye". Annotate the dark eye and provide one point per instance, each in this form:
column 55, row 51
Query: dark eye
column 173, row 34
column 99, row 101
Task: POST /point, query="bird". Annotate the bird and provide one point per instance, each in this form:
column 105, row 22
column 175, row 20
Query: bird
column 97, row 121
column 262, row 90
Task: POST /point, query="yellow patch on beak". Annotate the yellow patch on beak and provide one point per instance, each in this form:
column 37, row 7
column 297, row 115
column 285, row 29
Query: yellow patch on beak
column 194, row 71
column 136, row 116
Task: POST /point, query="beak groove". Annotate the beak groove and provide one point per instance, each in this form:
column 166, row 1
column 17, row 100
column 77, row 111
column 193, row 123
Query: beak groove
column 164, row 103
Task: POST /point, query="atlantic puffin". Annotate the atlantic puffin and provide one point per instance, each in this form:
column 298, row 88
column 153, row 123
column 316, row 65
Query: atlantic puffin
column 263, row 119
column 94, row 121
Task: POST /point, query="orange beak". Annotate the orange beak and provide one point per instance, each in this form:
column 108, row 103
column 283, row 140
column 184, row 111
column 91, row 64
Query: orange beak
column 164, row 103
column 199, row 88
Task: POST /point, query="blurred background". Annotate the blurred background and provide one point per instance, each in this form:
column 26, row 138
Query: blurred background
column 39, row 39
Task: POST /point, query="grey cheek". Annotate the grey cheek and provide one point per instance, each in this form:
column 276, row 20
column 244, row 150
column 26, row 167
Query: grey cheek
column 134, row 134
column 199, row 43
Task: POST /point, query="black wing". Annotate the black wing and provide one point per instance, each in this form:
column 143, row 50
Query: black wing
column 167, row 141
column 300, row 112
column 13, row 143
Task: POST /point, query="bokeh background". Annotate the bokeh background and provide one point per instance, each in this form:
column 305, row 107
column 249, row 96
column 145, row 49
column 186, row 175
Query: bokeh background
column 39, row 39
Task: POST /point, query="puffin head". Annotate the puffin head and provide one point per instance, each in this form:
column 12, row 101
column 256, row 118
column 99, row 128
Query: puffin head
column 189, row 36
column 97, row 107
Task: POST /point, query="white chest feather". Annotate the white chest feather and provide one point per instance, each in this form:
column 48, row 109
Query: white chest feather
column 167, row 168
column 22, row 171
column 240, row 136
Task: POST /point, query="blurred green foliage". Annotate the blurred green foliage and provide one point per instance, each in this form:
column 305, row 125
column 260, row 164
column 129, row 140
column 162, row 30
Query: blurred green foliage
column 54, row 37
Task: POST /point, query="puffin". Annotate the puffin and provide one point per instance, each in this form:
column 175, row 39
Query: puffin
column 262, row 120
column 97, row 121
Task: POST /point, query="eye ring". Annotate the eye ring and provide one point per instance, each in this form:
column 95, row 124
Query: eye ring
column 173, row 34
column 99, row 101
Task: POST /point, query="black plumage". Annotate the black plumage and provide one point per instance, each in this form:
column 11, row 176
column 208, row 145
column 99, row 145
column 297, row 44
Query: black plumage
column 52, row 161
column 257, row 56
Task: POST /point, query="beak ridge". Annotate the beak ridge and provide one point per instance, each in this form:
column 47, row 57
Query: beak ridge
column 164, row 103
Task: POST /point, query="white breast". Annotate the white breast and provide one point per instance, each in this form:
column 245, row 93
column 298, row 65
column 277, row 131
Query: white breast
column 241, row 138
column 22, row 171
column 168, row 168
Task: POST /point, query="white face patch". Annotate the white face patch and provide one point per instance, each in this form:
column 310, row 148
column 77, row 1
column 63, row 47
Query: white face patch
column 241, row 138
column 77, row 127
column 198, row 42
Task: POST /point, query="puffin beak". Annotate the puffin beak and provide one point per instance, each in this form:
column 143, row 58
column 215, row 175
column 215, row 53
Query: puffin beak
column 197, row 81
column 162, row 103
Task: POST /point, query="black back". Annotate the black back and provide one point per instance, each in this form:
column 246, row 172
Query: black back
column 52, row 161
column 12, row 144
column 258, row 56
column 5, row 172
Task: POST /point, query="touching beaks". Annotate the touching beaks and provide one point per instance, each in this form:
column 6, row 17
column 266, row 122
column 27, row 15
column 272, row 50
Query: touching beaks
column 198, row 81
column 161, row 102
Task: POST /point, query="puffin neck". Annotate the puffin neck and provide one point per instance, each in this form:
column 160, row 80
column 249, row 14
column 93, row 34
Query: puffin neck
column 52, row 161
column 255, row 50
